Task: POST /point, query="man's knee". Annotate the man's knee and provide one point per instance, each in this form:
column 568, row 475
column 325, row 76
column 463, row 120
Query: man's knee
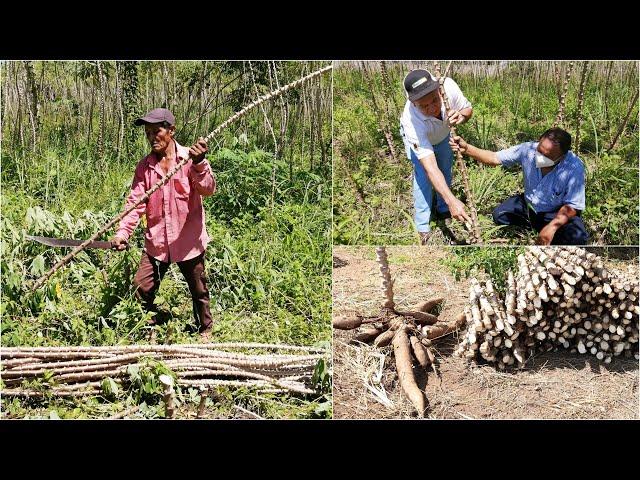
column 144, row 287
column 200, row 290
column 201, row 285
column 579, row 234
column 574, row 233
column 500, row 216
column 197, row 281
column 582, row 238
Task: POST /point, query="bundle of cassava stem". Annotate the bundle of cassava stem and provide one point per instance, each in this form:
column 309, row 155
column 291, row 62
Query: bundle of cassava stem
column 79, row 371
column 560, row 298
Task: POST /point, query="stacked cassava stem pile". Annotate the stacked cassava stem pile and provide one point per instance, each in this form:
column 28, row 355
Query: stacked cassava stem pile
column 79, row 371
column 561, row 297
column 410, row 332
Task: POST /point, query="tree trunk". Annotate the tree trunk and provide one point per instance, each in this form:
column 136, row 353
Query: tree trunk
column 101, row 121
column 130, row 106
column 32, row 101
column 583, row 81
column 120, row 107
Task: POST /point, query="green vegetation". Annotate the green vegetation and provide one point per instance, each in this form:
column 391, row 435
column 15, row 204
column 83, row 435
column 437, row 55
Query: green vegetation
column 513, row 102
column 493, row 263
column 268, row 261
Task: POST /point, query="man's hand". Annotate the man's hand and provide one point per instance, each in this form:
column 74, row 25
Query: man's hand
column 458, row 143
column 119, row 243
column 455, row 117
column 198, row 150
column 456, row 208
column 546, row 235
column 486, row 157
column 563, row 216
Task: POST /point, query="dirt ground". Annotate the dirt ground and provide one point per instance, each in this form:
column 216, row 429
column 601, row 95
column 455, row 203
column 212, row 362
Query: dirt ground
column 553, row 385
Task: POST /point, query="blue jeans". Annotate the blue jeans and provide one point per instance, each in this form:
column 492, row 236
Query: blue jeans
column 514, row 211
column 422, row 188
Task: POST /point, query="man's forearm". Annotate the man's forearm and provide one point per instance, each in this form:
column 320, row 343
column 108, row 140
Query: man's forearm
column 437, row 178
column 563, row 216
column 467, row 113
column 203, row 179
column 483, row 156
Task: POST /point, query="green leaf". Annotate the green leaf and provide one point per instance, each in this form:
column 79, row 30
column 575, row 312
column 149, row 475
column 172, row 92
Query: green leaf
column 110, row 387
column 324, row 407
column 323, row 344
column 134, row 372
column 37, row 265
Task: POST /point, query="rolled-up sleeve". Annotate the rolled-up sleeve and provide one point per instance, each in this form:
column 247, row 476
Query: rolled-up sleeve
column 130, row 221
column 457, row 99
column 575, row 193
column 202, row 178
column 512, row 156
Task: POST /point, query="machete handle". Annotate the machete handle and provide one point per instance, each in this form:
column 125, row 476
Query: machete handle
column 114, row 245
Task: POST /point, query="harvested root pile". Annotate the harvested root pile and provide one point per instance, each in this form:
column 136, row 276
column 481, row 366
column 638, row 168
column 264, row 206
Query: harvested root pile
column 560, row 297
column 410, row 332
column 78, row 371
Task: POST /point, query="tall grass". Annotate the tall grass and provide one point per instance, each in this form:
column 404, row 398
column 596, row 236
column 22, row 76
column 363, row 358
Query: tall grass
column 268, row 262
column 513, row 102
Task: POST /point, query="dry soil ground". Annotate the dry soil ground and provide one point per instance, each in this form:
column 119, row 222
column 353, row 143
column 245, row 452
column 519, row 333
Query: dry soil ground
column 553, row 385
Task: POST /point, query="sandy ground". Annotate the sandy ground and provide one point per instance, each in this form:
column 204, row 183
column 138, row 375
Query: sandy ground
column 553, row 385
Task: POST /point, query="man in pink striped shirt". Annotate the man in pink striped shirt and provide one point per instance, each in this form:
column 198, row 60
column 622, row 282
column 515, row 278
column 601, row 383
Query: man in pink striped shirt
column 175, row 216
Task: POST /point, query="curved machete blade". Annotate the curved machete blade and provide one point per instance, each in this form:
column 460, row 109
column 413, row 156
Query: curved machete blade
column 59, row 242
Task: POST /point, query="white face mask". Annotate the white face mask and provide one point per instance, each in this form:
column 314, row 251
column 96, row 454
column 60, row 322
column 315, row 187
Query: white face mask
column 542, row 161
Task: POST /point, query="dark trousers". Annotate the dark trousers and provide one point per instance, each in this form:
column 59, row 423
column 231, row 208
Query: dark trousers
column 151, row 272
column 514, row 211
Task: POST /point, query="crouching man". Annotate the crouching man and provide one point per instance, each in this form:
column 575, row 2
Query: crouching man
column 554, row 187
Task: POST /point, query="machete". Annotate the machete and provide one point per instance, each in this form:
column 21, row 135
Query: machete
column 59, row 242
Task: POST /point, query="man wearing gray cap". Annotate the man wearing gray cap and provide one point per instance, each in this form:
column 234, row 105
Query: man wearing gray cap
column 175, row 230
column 425, row 129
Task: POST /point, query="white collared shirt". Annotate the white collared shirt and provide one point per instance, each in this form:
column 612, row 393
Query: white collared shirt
column 421, row 132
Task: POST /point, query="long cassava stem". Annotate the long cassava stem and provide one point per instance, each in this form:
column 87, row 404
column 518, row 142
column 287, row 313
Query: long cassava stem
column 624, row 122
column 583, row 81
column 380, row 115
column 563, row 97
column 235, row 117
column 476, row 237
column 83, row 369
column 385, row 274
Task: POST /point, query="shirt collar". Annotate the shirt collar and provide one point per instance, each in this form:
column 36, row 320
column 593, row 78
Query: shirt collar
column 181, row 153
